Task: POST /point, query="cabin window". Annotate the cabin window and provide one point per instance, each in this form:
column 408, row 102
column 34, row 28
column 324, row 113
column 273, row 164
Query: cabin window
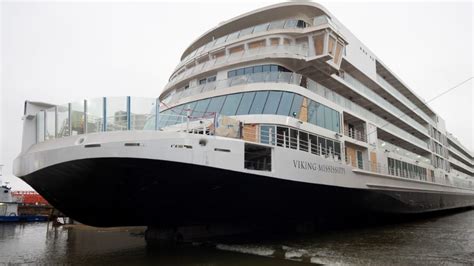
column 211, row 79
column 285, row 103
column 277, row 25
column 258, row 157
column 202, row 81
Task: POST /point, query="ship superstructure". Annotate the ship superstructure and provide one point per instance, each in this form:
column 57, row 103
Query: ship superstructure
column 269, row 115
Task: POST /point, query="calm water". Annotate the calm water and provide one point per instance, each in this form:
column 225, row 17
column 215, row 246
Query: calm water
column 444, row 239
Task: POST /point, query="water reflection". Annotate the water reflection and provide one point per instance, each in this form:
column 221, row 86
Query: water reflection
column 443, row 239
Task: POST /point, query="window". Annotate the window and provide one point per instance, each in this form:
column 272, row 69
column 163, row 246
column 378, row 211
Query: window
column 267, row 134
column 233, row 36
column 319, row 115
column 236, row 49
column 272, row 102
column 245, row 104
column 261, row 27
column 246, row 31
column 331, row 45
column 301, row 24
column 314, row 144
column 258, row 157
column 285, row 103
column 259, row 102
column 257, row 44
column 293, row 139
column 360, row 162
column 275, row 41
column 291, row 24
column 202, row 81
column 283, row 137
column 303, row 141
column 337, row 149
column 322, row 145
column 248, row 70
column 216, row 104
column 312, row 112
column 335, row 121
column 200, row 109
column 327, row 118
column 276, row 25
column 211, row 79
column 220, row 40
column 231, row 103
column 296, row 106
column 330, row 147
column 318, row 44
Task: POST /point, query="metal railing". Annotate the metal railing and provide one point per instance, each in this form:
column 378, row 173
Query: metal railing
column 355, row 134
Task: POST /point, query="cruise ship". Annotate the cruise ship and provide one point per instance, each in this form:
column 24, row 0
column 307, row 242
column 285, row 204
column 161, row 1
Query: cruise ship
column 278, row 115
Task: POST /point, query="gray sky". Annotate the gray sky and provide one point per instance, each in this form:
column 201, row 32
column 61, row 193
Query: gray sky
column 60, row 52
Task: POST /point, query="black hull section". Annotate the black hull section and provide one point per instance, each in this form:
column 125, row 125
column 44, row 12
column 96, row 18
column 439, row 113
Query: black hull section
column 127, row 191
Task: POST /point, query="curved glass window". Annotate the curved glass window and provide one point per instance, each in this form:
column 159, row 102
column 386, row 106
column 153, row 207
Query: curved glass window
column 245, row 104
column 272, row 102
column 259, row 102
column 277, row 25
column 296, row 106
column 285, row 103
column 231, row 103
column 201, row 107
column 216, row 104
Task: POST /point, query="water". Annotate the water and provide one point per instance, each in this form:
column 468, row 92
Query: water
column 444, row 239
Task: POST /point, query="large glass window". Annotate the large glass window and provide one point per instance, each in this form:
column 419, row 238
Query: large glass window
column 231, row 104
column 272, row 102
column 327, row 118
column 216, row 104
column 245, row 103
column 285, row 103
column 201, row 107
column 296, row 106
column 335, row 121
column 312, row 112
column 259, row 102
column 246, row 31
column 320, row 114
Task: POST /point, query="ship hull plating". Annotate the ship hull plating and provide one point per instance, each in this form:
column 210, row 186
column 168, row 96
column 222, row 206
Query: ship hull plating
column 128, row 191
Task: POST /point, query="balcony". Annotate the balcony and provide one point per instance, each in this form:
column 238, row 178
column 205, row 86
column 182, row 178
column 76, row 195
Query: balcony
column 263, row 77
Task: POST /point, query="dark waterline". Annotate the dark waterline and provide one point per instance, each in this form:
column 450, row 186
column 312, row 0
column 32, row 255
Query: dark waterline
column 442, row 239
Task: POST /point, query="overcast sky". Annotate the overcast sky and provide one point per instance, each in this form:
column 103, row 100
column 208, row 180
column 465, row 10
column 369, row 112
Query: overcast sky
column 61, row 52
